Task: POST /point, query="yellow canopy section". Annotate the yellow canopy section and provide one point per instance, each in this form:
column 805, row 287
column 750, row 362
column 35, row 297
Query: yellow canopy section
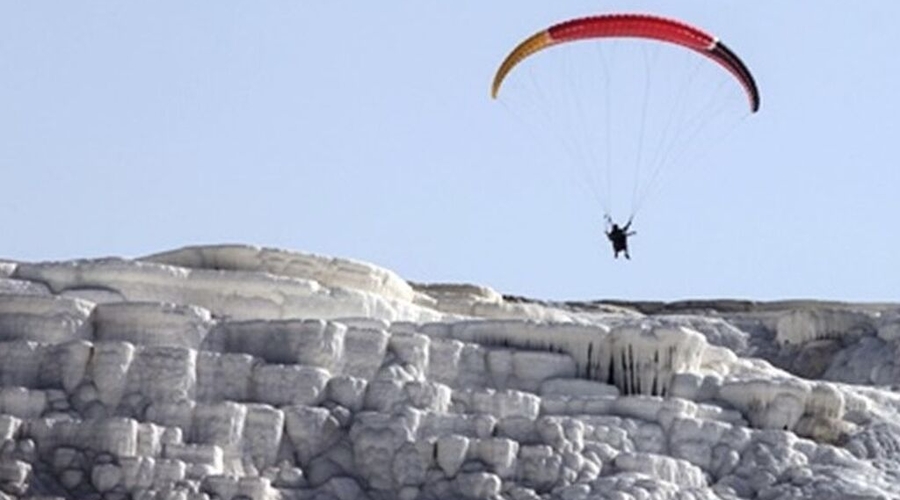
column 531, row 45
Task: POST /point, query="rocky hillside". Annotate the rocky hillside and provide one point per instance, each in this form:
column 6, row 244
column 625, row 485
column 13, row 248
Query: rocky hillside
column 239, row 372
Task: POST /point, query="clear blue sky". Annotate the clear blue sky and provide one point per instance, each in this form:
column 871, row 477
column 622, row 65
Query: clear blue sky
column 365, row 130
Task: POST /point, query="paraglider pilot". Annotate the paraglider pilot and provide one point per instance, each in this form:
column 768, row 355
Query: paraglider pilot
column 619, row 237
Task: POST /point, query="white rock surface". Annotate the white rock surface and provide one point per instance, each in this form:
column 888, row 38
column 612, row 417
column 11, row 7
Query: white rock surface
column 311, row 342
column 672, row 470
column 22, row 403
column 311, row 431
column 20, row 287
column 451, row 452
column 330, row 272
column 242, row 372
column 803, row 325
column 151, row 324
column 44, row 318
column 233, row 294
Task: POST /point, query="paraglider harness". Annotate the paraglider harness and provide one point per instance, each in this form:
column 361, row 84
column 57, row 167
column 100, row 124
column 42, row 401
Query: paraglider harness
column 618, row 236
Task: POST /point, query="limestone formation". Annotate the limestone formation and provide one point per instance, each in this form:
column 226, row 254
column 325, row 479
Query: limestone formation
column 239, row 372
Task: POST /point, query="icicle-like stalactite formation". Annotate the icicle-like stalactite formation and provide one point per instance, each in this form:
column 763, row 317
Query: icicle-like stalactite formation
column 644, row 359
column 636, row 359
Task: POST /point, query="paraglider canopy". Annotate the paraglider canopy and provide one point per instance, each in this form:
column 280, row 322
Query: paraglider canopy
column 632, row 26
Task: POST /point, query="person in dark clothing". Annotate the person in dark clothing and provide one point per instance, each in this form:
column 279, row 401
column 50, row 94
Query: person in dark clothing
column 619, row 238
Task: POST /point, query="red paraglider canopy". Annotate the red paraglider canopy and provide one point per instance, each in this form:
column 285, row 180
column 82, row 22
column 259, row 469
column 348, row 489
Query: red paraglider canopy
column 633, row 26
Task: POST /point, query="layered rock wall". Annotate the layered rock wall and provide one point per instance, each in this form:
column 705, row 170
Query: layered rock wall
column 237, row 372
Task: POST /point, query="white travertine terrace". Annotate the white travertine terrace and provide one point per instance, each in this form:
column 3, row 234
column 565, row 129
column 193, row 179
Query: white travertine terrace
column 234, row 371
